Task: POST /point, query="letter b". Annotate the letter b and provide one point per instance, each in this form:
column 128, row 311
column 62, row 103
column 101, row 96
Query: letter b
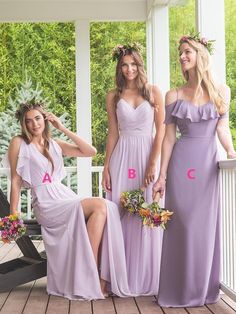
column 131, row 173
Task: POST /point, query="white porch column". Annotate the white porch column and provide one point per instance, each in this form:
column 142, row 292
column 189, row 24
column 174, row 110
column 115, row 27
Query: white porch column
column 83, row 102
column 149, row 49
column 158, row 32
column 211, row 24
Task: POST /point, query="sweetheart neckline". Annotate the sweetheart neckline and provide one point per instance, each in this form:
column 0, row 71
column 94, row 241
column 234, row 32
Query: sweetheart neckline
column 134, row 108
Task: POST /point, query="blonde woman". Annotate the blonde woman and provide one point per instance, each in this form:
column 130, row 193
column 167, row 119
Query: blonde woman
column 190, row 264
column 134, row 107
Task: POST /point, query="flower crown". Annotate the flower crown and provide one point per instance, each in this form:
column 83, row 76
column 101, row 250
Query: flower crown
column 208, row 44
column 23, row 107
column 121, row 50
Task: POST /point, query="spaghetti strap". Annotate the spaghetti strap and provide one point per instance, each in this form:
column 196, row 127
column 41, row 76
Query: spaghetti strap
column 177, row 94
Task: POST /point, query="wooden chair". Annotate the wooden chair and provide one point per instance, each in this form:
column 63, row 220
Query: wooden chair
column 32, row 265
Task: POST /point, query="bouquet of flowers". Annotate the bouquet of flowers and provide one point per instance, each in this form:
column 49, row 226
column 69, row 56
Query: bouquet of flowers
column 11, row 228
column 131, row 200
column 152, row 215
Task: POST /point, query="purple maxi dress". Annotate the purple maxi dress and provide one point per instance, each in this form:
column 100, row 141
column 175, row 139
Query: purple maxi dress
column 190, row 265
column 127, row 169
column 71, row 267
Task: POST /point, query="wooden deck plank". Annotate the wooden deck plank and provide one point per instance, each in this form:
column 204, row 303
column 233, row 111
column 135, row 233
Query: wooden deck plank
column 174, row 310
column 57, row 305
column 13, row 253
column 198, row 310
column 17, row 299
column 80, row 307
column 103, row 306
column 5, row 249
column 41, row 246
column 148, row 305
column 38, row 298
column 220, row 308
column 33, row 298
column 125, row 305
column 229, row 301
column 3, row 298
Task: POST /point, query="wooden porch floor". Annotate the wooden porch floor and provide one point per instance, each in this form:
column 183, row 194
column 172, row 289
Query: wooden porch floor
column 32, row 298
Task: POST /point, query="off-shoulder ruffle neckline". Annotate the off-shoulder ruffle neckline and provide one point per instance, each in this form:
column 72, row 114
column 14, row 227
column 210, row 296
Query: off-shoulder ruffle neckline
column 190, row 103
column 184, row 109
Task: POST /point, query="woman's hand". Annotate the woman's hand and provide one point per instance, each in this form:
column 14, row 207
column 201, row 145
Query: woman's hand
column 106, row 180
column 149, row 175
column 15, row 212
column 231, row 155
column 159, row 186
column 54, row 120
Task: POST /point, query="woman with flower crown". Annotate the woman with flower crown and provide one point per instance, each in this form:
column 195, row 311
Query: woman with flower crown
column 190, row 266
column 73, row 229
column 134, row 108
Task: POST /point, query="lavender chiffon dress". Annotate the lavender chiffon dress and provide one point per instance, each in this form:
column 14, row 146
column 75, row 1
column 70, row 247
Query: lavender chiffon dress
column 190, row 264
column 127, row 169
column 71, row 267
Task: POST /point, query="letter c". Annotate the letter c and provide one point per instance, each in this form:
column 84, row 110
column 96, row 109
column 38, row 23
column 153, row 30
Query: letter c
column 191, row 174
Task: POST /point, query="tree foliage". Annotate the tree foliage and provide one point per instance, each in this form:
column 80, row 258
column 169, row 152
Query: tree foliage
column 179, row 26
column 46, row 52
column 230, row 30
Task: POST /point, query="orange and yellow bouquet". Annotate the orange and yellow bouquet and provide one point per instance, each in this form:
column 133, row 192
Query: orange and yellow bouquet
column 152, row 215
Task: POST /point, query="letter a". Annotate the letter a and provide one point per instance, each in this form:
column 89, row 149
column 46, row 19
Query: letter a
column 131, row 173
column 47, row 178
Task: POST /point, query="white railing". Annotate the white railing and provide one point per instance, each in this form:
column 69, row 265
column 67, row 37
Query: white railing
column 70, row 180
column 228, row 226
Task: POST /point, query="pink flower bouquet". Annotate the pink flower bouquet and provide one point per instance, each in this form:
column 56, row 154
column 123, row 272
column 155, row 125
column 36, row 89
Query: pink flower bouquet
column 11, row 228
column 152, row 215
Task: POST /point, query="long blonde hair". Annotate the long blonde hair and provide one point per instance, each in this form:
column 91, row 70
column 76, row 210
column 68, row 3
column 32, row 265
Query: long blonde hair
column 204, row 75
column 26, row 135
column 142, row 85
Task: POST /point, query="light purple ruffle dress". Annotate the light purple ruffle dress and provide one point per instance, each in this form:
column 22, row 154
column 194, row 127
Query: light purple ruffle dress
column 71, row 267
column 127, row 168
column 190, row 264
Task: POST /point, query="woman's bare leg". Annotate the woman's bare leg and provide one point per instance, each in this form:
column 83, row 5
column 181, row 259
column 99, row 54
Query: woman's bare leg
column 95, row 214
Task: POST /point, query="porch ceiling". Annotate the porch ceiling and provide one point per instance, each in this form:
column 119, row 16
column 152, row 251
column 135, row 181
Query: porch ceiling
column 71, row 10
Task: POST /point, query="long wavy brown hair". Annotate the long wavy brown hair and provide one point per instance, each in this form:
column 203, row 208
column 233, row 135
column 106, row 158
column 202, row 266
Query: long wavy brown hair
column 26, row 135
column 204, row 76
column 141, row 79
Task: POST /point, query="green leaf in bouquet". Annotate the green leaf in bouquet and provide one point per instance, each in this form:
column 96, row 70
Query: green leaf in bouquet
column 145, row 205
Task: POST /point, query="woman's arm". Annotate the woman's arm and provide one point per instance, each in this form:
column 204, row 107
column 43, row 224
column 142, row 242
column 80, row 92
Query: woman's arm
column 112, row 138
column 223, row 129
column 225, row 137
column 167, row 148
column 159, row 115
column 80, row 148
column 16, row 180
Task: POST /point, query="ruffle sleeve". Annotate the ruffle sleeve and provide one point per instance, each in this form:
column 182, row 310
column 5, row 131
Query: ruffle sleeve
column 4, row 163
column 23, row 165
column 169, row 118
column 184, row 110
